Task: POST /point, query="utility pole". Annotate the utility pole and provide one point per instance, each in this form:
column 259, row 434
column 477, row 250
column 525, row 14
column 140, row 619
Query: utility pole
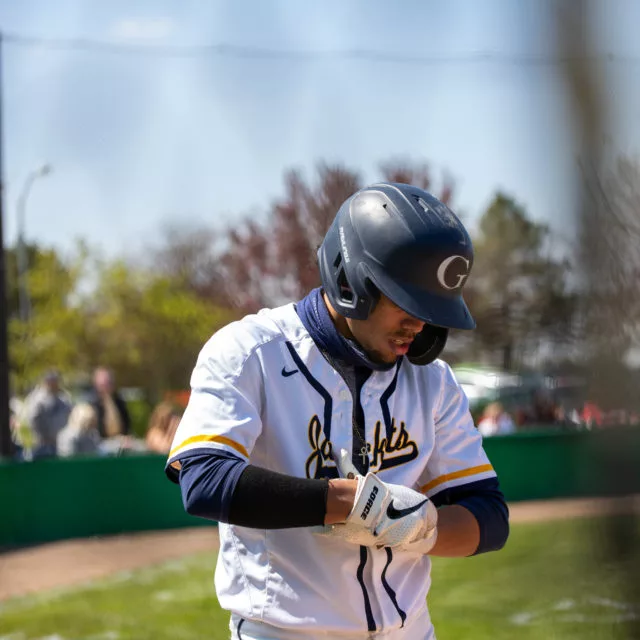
column 6, row 448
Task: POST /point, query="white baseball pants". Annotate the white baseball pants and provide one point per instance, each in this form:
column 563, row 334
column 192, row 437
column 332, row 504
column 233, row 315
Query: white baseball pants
column 420, row 628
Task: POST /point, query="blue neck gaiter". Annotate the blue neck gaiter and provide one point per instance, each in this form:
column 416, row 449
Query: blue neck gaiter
column 317, row 320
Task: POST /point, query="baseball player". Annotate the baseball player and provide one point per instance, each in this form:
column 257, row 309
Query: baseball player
column 334, row 448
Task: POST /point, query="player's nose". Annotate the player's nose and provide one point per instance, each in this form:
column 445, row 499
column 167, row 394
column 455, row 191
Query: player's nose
column 412, row 325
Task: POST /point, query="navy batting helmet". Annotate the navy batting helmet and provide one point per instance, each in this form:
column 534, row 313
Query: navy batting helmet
column 402, row 241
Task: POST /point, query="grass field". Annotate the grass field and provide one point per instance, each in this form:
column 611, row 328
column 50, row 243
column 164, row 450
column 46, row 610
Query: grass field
column 550, row 582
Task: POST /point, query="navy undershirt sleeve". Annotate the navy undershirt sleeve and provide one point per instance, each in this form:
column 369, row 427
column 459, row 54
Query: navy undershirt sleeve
column 207, row 482
column 486, row 502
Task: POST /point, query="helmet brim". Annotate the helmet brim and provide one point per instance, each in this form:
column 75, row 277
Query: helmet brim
column 441, row 311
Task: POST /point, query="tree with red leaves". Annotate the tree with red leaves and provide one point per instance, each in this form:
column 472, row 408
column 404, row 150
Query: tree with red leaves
column 275, row 262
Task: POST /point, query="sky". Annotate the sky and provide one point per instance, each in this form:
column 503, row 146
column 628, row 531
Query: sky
column 186, row 133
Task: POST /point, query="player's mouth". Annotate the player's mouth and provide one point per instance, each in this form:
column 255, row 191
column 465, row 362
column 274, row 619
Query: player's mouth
column 400, row 346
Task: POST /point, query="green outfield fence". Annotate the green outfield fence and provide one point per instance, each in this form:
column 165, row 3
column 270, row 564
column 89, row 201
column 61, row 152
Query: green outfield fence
column 57, row 499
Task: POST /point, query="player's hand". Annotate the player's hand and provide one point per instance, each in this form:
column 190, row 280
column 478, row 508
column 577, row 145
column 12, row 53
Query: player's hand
column 386, row 515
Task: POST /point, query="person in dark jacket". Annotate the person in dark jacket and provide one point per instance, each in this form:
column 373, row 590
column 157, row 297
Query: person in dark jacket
column 111, row 409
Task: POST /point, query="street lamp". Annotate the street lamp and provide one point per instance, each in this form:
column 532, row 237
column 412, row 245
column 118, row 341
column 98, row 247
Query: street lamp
column 23, row 266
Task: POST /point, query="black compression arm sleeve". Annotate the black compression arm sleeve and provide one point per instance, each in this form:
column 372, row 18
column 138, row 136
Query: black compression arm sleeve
column 265, row 499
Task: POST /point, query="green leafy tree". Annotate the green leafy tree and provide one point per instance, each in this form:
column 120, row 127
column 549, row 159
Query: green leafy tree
column 34, row 255
column 519, row 291
column 48, row 338
column 87, row 312
column 147, row 328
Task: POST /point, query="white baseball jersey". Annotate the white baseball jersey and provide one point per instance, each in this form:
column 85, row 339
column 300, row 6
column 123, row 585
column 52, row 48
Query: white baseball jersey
column 261, row 389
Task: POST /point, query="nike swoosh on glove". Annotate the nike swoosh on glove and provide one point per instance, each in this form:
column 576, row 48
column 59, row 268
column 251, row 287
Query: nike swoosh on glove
column 386, row 515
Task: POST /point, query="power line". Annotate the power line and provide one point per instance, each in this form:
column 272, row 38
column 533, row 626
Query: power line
column 252, row 52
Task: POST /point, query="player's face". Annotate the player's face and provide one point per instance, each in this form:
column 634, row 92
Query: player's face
column 387, row 333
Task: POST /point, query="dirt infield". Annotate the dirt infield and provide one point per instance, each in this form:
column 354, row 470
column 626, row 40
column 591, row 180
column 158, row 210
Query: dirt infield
column 71, row 562
column 541, row 510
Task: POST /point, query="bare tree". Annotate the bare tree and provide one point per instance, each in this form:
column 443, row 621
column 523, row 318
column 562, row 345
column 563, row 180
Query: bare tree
column 189, row 255
column 274, row 262
column 418, row 174
column 610, row 251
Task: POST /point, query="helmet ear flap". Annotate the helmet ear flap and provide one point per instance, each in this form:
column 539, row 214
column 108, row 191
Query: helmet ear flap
column 354, row 298
column 428, row 345
column 373, row 292
column 344, row 290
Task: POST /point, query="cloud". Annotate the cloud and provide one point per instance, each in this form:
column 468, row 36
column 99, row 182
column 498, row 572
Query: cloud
column 141, row 29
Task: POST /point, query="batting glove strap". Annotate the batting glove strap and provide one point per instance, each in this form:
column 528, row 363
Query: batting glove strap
column 372, row 498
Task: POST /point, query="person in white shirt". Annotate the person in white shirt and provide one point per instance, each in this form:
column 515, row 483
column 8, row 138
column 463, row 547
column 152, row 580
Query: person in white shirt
column 331, row 443
column 495, row 421
column 46, row 411
column 80, row 435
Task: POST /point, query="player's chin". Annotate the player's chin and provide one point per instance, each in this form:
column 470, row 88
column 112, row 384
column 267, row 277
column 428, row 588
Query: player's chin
column 383, row 356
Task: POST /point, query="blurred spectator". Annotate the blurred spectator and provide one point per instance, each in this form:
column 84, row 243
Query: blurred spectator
column 574, row 417
column 567, row 417
column 111, row 409
column 80, row 435
column 544, row 408
column 15, row 406
column 15, row 411
column 591, row 415
column 520, row 416
column 46, row 411
column 162, row 426
column 495, row 421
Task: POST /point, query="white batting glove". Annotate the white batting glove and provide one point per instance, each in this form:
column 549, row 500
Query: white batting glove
column 386, row 515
